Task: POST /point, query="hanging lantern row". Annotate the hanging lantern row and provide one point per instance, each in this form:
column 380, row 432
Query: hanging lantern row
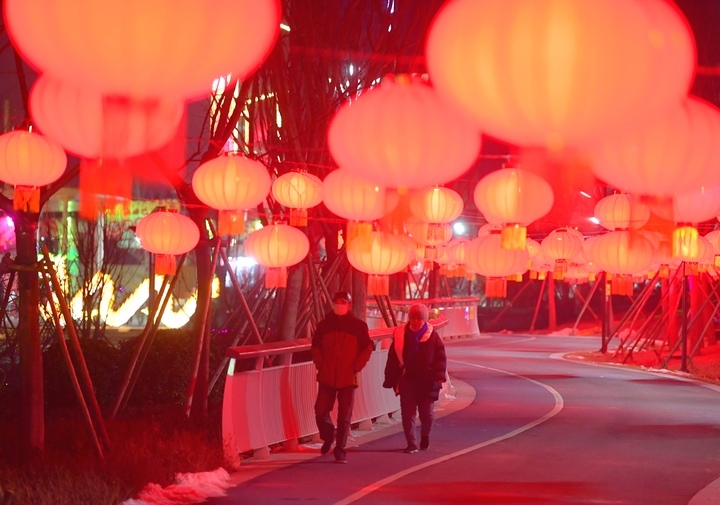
column 167, row 234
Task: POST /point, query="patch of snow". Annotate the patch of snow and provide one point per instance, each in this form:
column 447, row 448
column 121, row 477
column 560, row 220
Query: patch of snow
column 189, row 488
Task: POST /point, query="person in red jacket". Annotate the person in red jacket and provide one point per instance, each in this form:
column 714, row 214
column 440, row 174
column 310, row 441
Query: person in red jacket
column 416, row 369
column 341, row 347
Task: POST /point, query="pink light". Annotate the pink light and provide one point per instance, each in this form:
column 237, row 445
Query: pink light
column 9, row 222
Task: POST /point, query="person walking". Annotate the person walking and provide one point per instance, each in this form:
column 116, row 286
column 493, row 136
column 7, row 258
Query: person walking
column 415, row 369
column 341, row 348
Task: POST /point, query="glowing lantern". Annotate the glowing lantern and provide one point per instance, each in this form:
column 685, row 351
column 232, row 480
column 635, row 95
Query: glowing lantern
column 430, row 235
column 561, row 245
column 28, row 161
column 457, row 251
column 386, row 255
column 487, row 257
column 76, row 119
column 437, row 207
column 677, row 152
column 355, row 199
column 298, row 191
column 140, row 48
column 620, row 212
column 515, row 198
column 231, row 183
column 489, row 228
column 622, row 252
column 277, row 247
column 384, row 136
column 166, row 233
column 561, row 72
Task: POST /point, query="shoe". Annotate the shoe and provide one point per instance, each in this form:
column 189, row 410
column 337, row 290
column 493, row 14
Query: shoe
column 326, row 447
column 424, row 443
column 340, row 458
column 411, row 449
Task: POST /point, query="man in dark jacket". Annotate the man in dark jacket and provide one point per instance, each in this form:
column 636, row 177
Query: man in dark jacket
column 341, row 347
column 416, row 369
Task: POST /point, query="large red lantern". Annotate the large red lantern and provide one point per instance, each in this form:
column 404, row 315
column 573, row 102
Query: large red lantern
column 515, row 198
column 355, row 199
column 277, row 247
column 87, row 126
column 400, row 134
column 298, row 191
column 140, row 48
column 561, row 245
column 385, row 255
column 622, row 252
column 487, row 257
column 677, row 152
column 231, row 183
column 621, row 211
column 167, row 234
column 28, row 161
column 562, row 72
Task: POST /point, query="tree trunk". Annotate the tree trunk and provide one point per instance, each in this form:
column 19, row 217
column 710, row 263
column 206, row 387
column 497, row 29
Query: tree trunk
column 552, row 313
column 31, row 372
column 291, row 302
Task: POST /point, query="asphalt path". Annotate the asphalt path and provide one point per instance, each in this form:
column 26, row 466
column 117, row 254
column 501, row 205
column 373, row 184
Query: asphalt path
column 534, row 429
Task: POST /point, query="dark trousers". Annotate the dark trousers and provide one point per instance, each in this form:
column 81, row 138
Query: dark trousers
column 324, row 404
column 414, row 400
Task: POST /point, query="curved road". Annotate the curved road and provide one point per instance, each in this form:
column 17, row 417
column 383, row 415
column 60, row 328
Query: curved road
column 539, row 430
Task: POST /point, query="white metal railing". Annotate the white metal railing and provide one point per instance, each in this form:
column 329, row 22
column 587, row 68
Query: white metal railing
column 275, row 404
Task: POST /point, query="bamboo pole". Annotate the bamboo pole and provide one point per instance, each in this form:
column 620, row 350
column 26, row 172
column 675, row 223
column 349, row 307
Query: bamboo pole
column 586, row 305
column 537, row 305
column 73, row 375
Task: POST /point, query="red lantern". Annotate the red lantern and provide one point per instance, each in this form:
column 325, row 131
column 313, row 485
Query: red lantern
column 166, row 233
column 437, row 205
column 298, row 191
column 231, row 183
column 563, row 72
column 620, row 212
column 713, row 239
column 561, row 245
column 385, row 255
column 384, row 136
column 28, row 161
column 82, row 124
column 140, row 48
column 515, row 198
column 487, row 257
column 677, row 152
column 355, row 199
column 622, row 253
column 277, row 247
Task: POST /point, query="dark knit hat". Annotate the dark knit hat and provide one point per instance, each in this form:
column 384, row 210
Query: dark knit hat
column 418, row 310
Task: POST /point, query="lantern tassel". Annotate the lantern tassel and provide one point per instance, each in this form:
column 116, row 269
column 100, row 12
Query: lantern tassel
column 495, row 287
column 514, row 237
column 298, row 217
column 165, row 264
column 378, row 285
column 276, row 277
column 360, row 230
column 231, row 222
column 684, row 242
column 27, row 199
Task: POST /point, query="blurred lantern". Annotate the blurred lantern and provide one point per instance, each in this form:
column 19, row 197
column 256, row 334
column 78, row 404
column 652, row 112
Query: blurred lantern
column 676, row 152
column 430, row 235
column 622, row 252
column 489, row 228
column 166, row 233
column 384, row 136
column 231, row 184
column 143, row 49
column 563, row 72
column 297, row 191
column 457, row 251
column 515, row 198
column 713, row 239
column 436, row 206
column 486, row 256
column 277, row 247
column 353, row 198
column 388, row 254
column 28, row 161
column 85, row 125
column 561, row 245
column 620, row 212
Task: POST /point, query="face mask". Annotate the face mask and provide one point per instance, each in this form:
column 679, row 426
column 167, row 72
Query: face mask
column 341, row 308
column 415, row 324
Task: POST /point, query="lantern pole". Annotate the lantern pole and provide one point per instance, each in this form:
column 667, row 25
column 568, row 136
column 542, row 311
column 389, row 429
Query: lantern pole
column 537, row 305
column 684, row 314
column 586, row 305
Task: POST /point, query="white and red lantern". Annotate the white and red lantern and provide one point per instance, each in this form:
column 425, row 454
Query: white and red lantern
column 167, row 233
column 29, row 161
column 621, row 212
column 231, row 184
column 298, row 191
column 386, row 254
column 277, row 247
